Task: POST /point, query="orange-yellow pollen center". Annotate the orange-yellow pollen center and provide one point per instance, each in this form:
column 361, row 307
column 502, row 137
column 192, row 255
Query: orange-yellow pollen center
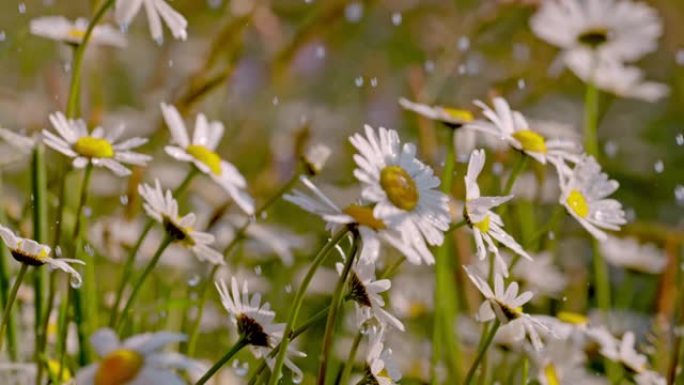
column 119, row 367
column 363, row 215
column 91, row 147
column 208, row 157
column 578, row 203
column 400, row 187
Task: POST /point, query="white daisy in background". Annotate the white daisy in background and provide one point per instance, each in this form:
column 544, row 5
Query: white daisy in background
column 584, row 192
column 561, row 361
column 254, row 322
column 201, row 152
column 371, row 229
column 126, row 10
column 505, row 305
column 98, row 147
column 32, row 253
column 24, row 144
column 412, row 293
column 621, row 30
column 630, row 254
column 62, row 29
column 624, row 352
column 403, row 189
column 380, row 367
column 649, row 377
column 452, row 117
column 138, row 360
column 512, row 127
column 163, row 208
column 541, row 276
column 487, row 226
column 315, row 157
column 365, row 291
column 615, row 77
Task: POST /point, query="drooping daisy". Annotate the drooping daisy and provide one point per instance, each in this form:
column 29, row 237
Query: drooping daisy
column 32, row 253
column 403, row 189
column 161, row 206
column 126, row 10
column 487, row 226
column 452, row 117
column 254, row 322
column 99, row 147
column 380, row 367
column 511, row 126
column 371, row 229
column 201, row 151
column 630, row 254
column 615, row 77
column 505, row 305
column 137, row 360
column 584, row 195
column 62, row 29
column 365, row 291
column 624, row 352
column 621, row 30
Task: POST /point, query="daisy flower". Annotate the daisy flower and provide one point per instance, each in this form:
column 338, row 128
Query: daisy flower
column 30, row 252
column 505, row 305
column 372, row 230
column 512, row 127
column 202, row 153
column 163, row 208
column 403, row 189
column 584, row 194
column 630, row 254
column 254, row 322
column 624, row 352
column 126, row 10
column 621, row 30
column 62, row 29
column 315, row 157
column 451, row 117
column 615, row 77
column 99, row 147
column 649, row 377
column 137, row 360
column 380, row 367
column 365, row 291
column 487, row 226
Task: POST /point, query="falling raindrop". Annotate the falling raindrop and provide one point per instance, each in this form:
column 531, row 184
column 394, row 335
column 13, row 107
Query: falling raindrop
column 679, row 57
column 123, row 199
column 275, row 101
column 565, row 298
column 429, row 66
column 521, row 84
column 67, row 67
column 552, row 235
column 194, row 280
column 320, row 51
column 521, row 52
column 288, row 289
column 374, row 82
column 611, row 149
column 58, row 251
column 2, row 36
column 123, row 27
column 679, row 139
column 497, row 168
column 463, row 43
column 170, row 63
column 22, row 8
column 257, row 270
column 88, row 248
column 353, row 12
column 679, row 194
column 359, row 81
column 462, row 69
column 87, row 211
column 659, row 166
column 396, row 18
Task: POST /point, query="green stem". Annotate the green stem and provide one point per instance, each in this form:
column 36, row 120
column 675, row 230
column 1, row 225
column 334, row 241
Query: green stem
column 148, row 269
column 518, row 168
column 64, row 326
column 591, row 109
column 297, row 302
column 525, row 370
column 481, row 352
column 335, row 306
column 10, row 301
column 40, row 219
column 72, row 109
column 601, row 279
column 242, row 342
column 350, row 359
column 202, row 295
column 5, row 289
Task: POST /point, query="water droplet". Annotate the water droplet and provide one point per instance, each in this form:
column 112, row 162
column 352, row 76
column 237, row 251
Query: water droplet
column 429, row 66
column 679, row 57
column 679, row 139
column 2, row 36
column 257, row 270
column 288, row 289
column 679, row 194
column 263, row 215
column 308, row 1
column 564, row 298
column 462, row 69
column 170, row 63
column 22, row 8
column 611, row 149
column 67, row 67
column 88, row 248
column 123, row 199
column 123, row 27
column 275, row 101
column 240, row 368
column 497, row 168
column 320, row 51
column 194, row 280
column 659, row 166
column 214, row 4
column 353, row 12
column 551, row 235
column 396, row 18
column 374, row 82
column 87, row 211
column 58, row 251
column 359, row 81
column 463, row 43
column 521, row 84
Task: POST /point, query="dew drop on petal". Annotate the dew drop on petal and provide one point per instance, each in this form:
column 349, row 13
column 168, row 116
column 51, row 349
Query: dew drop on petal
column 214, row 4
column 263, row 215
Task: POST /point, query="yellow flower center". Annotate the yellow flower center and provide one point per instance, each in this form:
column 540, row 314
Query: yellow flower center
column 206, row 156
column 530, row 141
column 400, row 187
column 593, row 37
column 54, row 368
column 29, row 259
column 578, row 203
column 363, row 215
column 90, row 147
column 119, row 367
column 551, row 375
column 464, row 116
column 572, row 318
column 76, row 33
column 483, row 225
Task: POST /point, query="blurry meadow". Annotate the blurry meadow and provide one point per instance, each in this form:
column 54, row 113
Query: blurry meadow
column 293, row 180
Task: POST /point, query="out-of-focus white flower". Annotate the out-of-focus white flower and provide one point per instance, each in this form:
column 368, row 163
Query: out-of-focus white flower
column 621, row 30
column 624, row 352
column 365, row 291
column 412, row 292
column 403, row 189
column 371, row 229
column 24, row 144
column 137, row 360
column 584, row 196
column 98, row 147
column 201, row 152
column 511, row 126
column 62, row 29
column 32, row 253
column 505, row 305
column 649, row 377
column 617, row 78
column 163, row 208
column 452, row 117
column 126, row 10
column 630, row 254
column 541, row 276
column 315, row 158
column 380, row 367
column 487, row 226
